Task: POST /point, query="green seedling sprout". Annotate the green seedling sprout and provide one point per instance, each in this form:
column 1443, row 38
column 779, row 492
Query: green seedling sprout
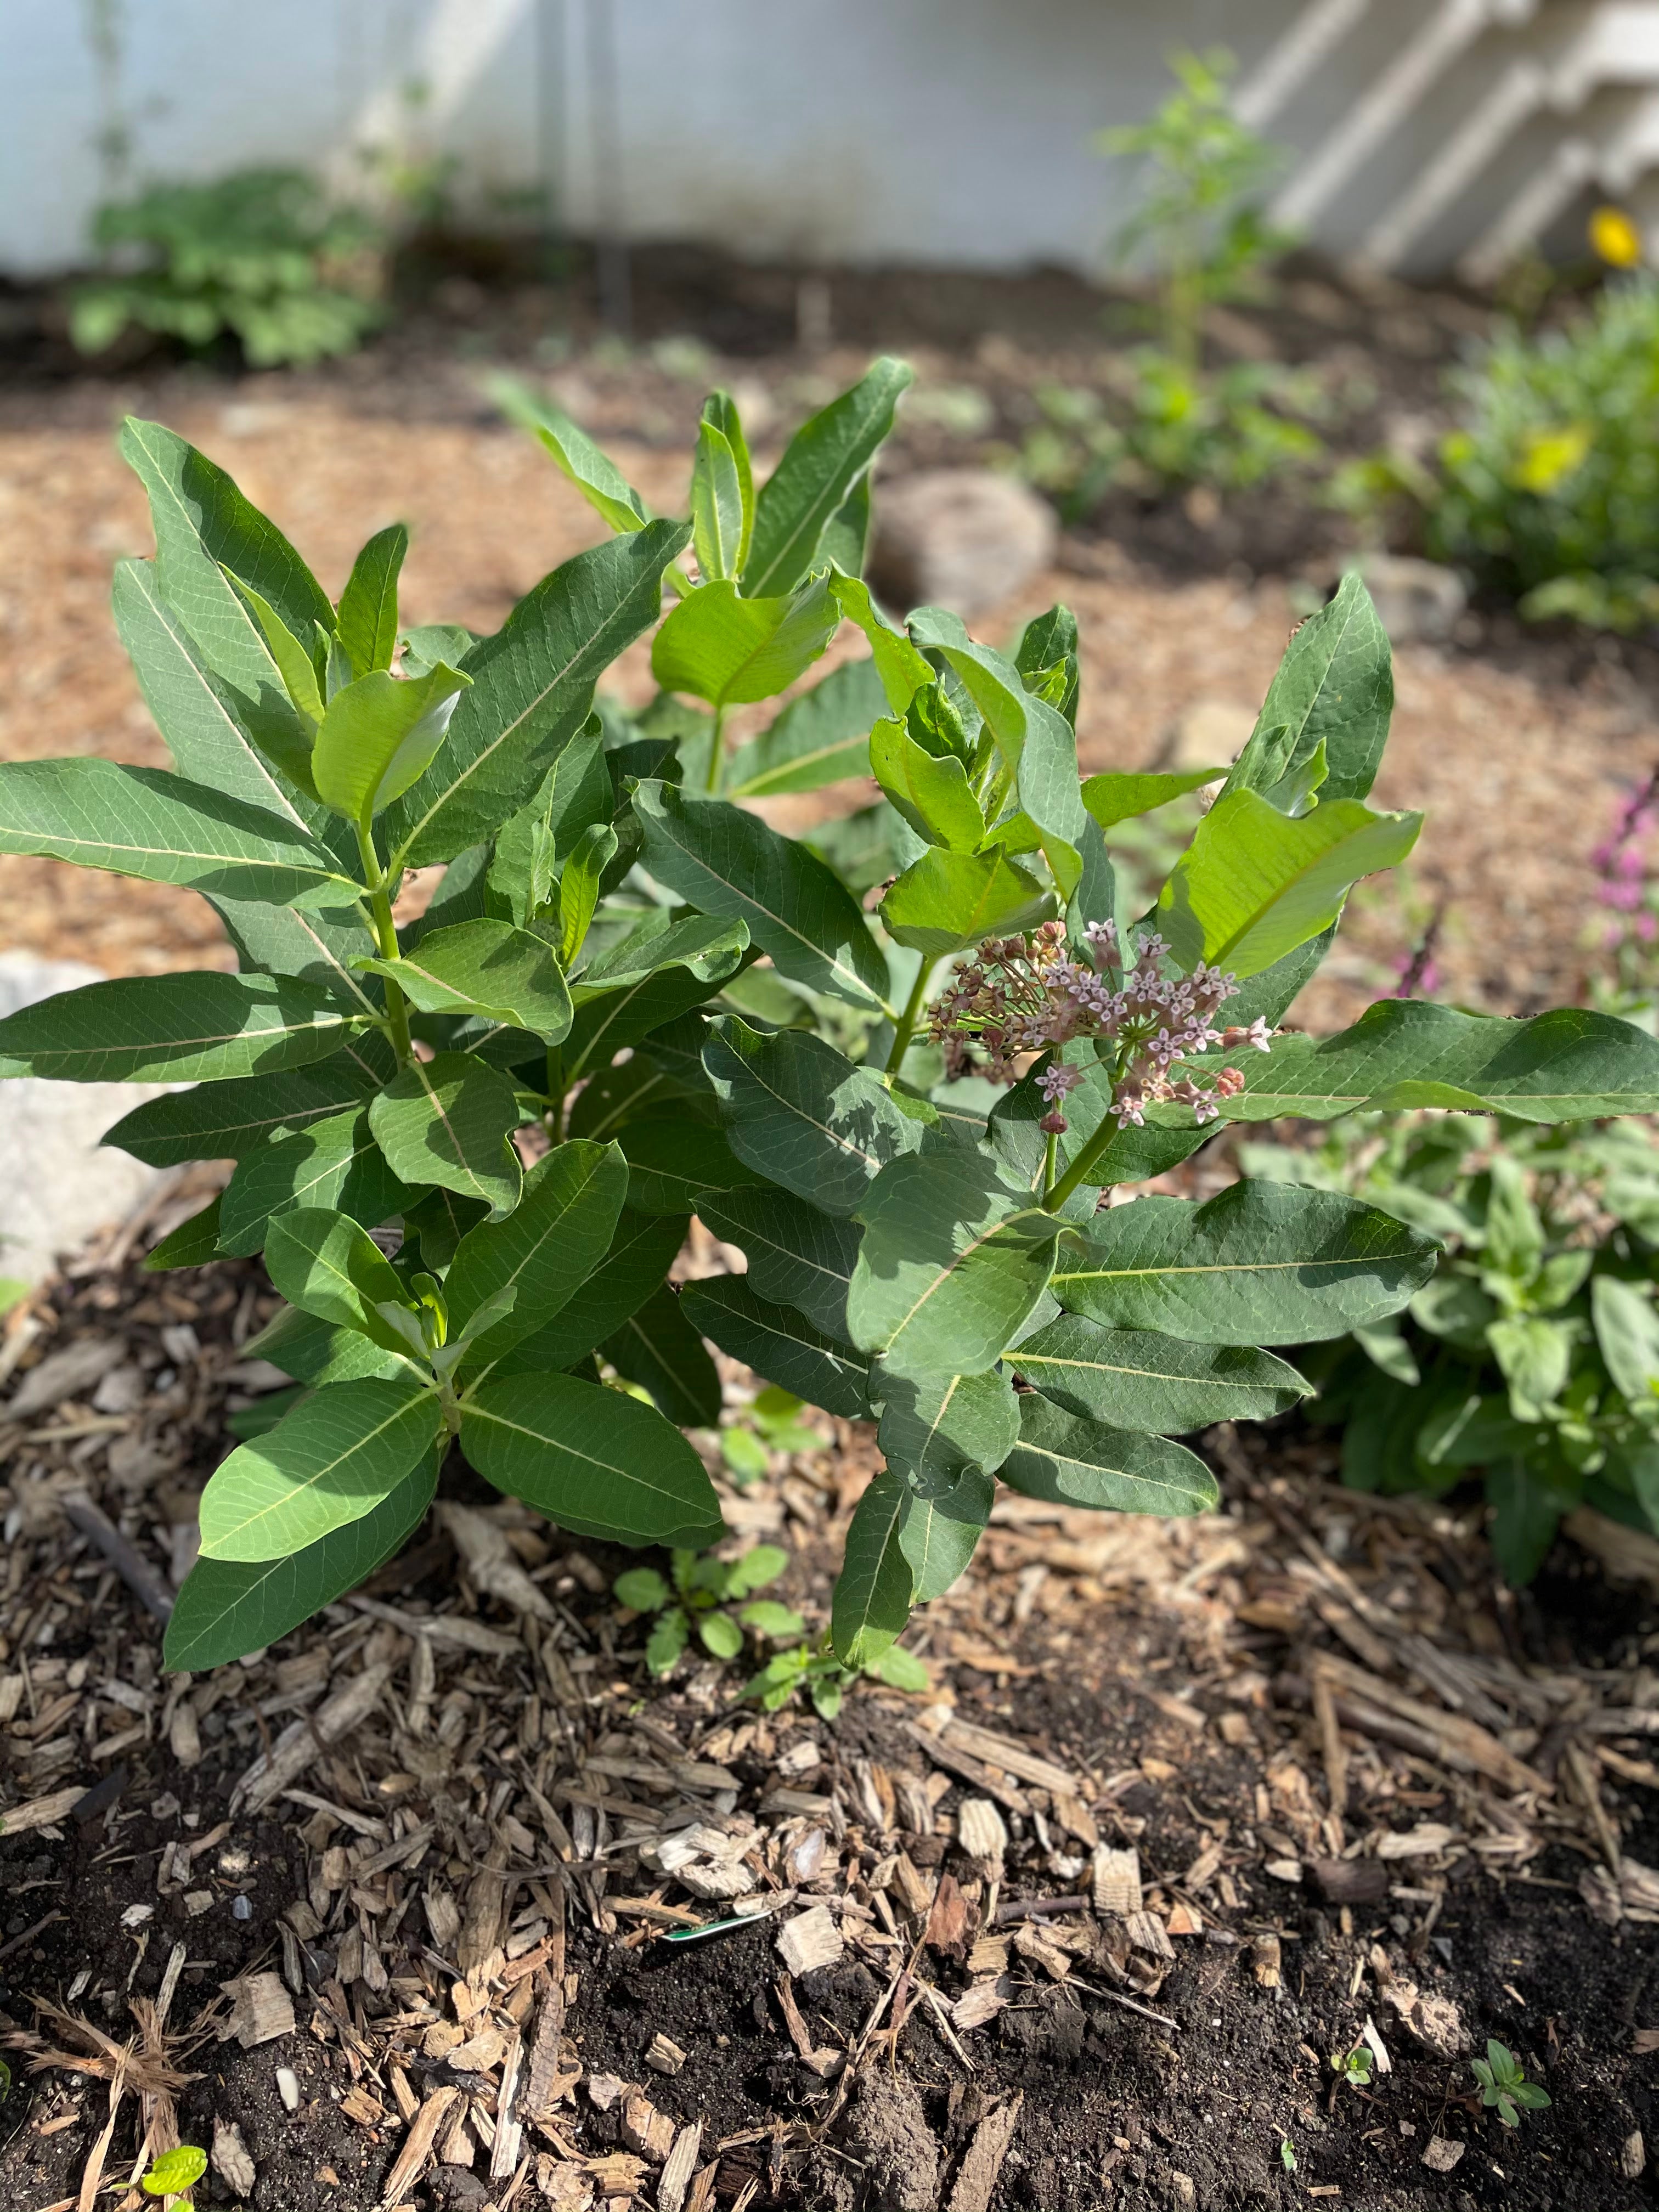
column 695, row 1599
column 1505, row 2086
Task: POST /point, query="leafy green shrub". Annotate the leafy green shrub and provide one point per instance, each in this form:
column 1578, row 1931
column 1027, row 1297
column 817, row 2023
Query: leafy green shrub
column 632, row 1000
column 700, row 1589
column 1533, row 1353
column 259, row 254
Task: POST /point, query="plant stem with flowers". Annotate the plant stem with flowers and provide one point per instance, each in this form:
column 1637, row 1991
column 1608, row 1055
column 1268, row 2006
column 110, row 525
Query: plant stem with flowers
column 1626, row 887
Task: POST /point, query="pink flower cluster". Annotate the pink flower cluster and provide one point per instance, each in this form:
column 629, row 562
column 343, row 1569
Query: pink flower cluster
column 1025, row 994
column 1623, row 862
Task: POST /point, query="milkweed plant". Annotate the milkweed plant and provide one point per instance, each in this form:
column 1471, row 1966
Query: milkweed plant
column 469, row 1145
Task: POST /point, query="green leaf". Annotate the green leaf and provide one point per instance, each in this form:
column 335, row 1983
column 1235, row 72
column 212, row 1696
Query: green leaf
column 532, row 689
column 873, row 1594
column 450, row 1120
column 1114, row 799
column 334, row 1162
column 636, row 1088
column 819, row 467
column 293, row 661
column 823, row 737
column 575, row 793
column 339, row 1454
column 728, row 862
column 173, row 2172
column 665, row 939
column 779, row 1343
column 1071, row 1462
column 610, row 1020
column 1048, row 646
column 931, row 792
column 1526, row 1514
column 193, row 1243
column 314, row 1354
column 944, row 1516
column 953, row 1262
column 766, row 1617
column 659, row 1348
column 642, row 1590
column 599, row 480
column 324, row 1263
column 228, row 1121
column 903, row 670
column 1253, row 884
column 642, row 1251
column 1261, row 1262
column 146, row 823
column 438, row 1220
column 1334, row 688
column 937, row 1428
column 318, row 948
column 379, row 735
column 721, row 1635
column 845, row 538
column 579, row 886
column 719, row 411
column 667, row 1640
column 805, row 1117
column 368, row 626
column 718, row 510
column 1136, row 1379
column 1627, row 1334
column 596, row 1461
column 545, row 1249
column 197, row 1026
column 945, row 901
column 728, row 650
column 1535, row 1357
column 1569, row 1066
column 798, row 1256
column 671, row 1164
column 486, row 968
column 227, row 1609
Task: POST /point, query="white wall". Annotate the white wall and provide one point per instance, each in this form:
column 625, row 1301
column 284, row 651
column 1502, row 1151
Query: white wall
column 930, row 130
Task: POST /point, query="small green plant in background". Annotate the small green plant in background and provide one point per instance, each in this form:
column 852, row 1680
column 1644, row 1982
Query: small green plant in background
column 174, row 2173
column 261, row 255
column 815, row 1669
column 1532, row 1356
column 1504, row 2086
column 701, row 1588
column 1354, row 2067
column 770, row 1424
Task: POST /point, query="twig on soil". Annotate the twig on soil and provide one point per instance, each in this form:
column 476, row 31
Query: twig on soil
column 134, row 1569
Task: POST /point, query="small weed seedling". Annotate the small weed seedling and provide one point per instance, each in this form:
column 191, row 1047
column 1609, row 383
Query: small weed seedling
column 1287, row 2154
column 772, row 1424
column 1354, row 2067
column 701, row 1588
column 174, row 2174
column 824, row 1679
column 1504, row 2086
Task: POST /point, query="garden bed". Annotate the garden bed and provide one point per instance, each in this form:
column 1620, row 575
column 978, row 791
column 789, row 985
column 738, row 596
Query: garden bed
column 453, row 1899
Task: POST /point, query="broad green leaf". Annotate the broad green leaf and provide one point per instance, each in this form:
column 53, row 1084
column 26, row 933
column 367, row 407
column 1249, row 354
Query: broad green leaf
column 427, row 643
column 227, row 1121
column 438, row 1220
column 642, row 1251
column 932, row 793
column 193, row 1243
column 721, row 1635
column 609, row 1020
column 1334, row 688
column 574, row 793
column 1253, row 884
column 333, row 1162
column 315, row 1354
column 174, row 2170
column 1535, row 1357
column 197, row 1026
column 659, row 1347
column 531, row 691
column 636, row 1089
column 643, row 1590
column 779, row 1343
column 227, row 1609
column 672, row 1164
column 326, row 1265
column 1569, row 1066
column 797, row 1255
column 338, row 1454
column 379, row 735
column 367, row 624
column 1048, row 645
column 547, row 1246
column 873, row 1594
column 594, row 1461
column 1072, row 1461
column 293, row 661
column 727, row 650
column 823, row 737
column 938, row 1429
column 144, row 821
column 205, row 723
column 819, row 467
column 718, row 514
column 1527, row 1510
column 728, row 862
column 1627, row 1334
column 719, row 411
column 944, row 1516
column 596, row 477
column 205, row 526
column 945, row 901
column 665, row 939
column 796, row 1109
column 1136, row 1379
column 901, row 669
column 1261, row 1262
column 486, row 968
column 579, row 886
column 1133, row 1154
column 318, row 948
column 953, row 1262
column 450, row 1120
column 1114, row 799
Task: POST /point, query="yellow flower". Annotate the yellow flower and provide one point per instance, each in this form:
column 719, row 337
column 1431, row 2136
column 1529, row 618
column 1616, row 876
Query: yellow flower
column 1547, row 455
column 1615, row 238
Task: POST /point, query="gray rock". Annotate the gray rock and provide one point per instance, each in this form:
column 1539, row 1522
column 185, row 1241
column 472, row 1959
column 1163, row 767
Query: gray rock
column 57, row 1187
column 962, row 538
column 1206, row 733
column 1419, row 602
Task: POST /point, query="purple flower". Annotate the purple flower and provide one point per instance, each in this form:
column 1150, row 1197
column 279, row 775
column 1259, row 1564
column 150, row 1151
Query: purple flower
column 1056, row 1080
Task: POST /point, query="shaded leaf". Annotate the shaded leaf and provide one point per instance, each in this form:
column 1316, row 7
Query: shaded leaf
column 873, row 1594
column 1072, row 1462
column 779, row 1343
column 659, row 1347
column 227, row 1121
column 545, row 1249
column 486, row 968
column 944, row 1518
column 643, row 1248
column 333, row 1162
column 935, row 1429
column 450, row 1120
column 797, row 1255
column 671, row 1164
column 1136, row 1379
column 805, row 1116
column 173, row 1029
column 823, row 737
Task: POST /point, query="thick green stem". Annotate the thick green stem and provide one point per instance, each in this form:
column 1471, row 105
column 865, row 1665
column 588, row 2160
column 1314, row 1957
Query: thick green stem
column 717, row 749
column 1056, row 1194
column 1050, row 1154
column 385, row 941
column 905, row 1028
